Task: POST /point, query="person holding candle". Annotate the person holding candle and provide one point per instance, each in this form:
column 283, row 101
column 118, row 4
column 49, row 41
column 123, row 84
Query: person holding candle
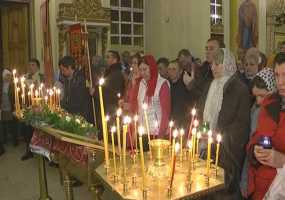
column 265, row 163
column 155, row 93
column 225, row 104
column 263, row 85
column 7, row 106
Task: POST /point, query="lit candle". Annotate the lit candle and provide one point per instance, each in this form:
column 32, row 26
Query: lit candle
column 37, row 96
column 41, row 90
column 144, row 106
column 141, row 132
column 51, row 98
column 197, row 143
column 189, row 144
column 210, row 140
column 46, row 100
column 171, row 124
column 119, row 95
column 136, row 117
column 107, row 119
column 194, row 131
column 119, row 112
column 101, row 82
column 54, row 97
column 181, row 143
column 16, row 80
column 32, row 93
column 193, row 114
column 196, row 123
column 175, row 134
column 177, row 146
column 219, row 139
column 113, row 130
column 125, row 130
column 18, row 101
column 29, row 98
column 58, row 97
column 23, row 90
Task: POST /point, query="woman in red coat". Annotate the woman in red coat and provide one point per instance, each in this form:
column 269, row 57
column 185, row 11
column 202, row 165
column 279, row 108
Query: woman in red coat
column 271, row 123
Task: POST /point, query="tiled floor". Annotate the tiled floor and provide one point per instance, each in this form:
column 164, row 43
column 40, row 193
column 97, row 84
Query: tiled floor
column 19, row 180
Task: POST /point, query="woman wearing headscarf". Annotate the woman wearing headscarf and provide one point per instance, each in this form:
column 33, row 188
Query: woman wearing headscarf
column 266, row 163
column 154, row 91
column 263, row 85
column 225, row 105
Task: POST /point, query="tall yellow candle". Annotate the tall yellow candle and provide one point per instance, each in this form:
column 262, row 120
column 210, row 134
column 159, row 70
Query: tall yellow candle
column 29, row 99
column 197, row 143
column 107, row 119
column 144, row 106
column 171, row 124
column 219, row 139
column 175, row 134
column 194, row 132
column 141, row 132
column 58, row 97
column 41, row 90
column 125, row 130
column 32, row 93
column 181, row 143
column 119, row 113
column 101, row 82
column 135, row 131
column 16, row 80
column 189, row 144
column 210, row 140
column 113, row 130
column 23, row 90
column 18, row 100
column 46, row 100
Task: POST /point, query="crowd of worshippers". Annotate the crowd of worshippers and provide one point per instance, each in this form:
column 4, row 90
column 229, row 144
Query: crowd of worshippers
column 245, row 102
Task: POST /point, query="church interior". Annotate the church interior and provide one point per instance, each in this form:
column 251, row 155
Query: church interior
column 95, row 96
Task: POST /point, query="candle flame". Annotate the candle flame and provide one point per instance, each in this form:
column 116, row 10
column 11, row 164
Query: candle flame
column 210, row 140
column 46, row 98
column 193, row 112
column 119, row 112
column 210, row 133
column 175, row 133
column 107, row 118
column 182, row 132
column 58, row 91
column 199, row 135
column 113, row 129
column 177, row 147
column 171, row 124
column 18, row 89
column 141, row 131
column 32, row 86
column 29, row 93
column 16, row 80
column 127, row 120
column 136, row 118
column 22, row 79
column 219, row 138
column 14, row 71
column 144, row 106
column 119, row 95
column 101, row 81
column 196, row 123
column 41, row 85
column 189, row 144
column 194, row 131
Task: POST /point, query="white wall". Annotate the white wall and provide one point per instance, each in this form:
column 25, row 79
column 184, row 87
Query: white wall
column 173, row 25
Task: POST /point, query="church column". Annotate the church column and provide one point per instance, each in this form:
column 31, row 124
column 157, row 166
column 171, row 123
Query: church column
column 234, row 5
column 99, row 36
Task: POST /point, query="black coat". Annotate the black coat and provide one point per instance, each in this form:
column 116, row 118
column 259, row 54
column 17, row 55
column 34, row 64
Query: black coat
column 234, row 123
column 76, row 99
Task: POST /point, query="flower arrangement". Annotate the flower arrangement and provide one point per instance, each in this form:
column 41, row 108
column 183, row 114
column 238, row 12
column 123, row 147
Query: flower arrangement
column 58, row 119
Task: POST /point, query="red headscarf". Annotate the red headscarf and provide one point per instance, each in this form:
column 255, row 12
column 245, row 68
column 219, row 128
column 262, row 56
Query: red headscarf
column 151, row 83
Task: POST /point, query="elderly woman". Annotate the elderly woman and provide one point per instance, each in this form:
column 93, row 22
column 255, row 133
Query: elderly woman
column 264, row 163
column 225, row 104
column 154, row 91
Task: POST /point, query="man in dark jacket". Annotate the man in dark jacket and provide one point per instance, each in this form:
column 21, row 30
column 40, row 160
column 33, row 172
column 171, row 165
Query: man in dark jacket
column 181, row 99
column 114, row 84
column 201, row 75
column 76, row 98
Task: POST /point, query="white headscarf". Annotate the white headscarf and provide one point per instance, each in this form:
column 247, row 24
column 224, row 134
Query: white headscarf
column 216, row 91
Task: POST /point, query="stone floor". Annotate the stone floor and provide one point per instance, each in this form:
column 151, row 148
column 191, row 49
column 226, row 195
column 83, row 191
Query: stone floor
column 19, row 180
